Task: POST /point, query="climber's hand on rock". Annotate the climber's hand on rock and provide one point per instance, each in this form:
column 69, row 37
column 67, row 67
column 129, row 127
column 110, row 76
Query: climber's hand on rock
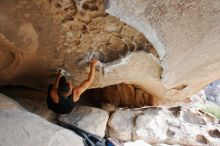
column 94, row 62
column 59, row 74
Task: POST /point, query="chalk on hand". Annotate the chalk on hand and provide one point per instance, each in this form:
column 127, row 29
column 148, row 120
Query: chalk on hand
column 63, row 72
column 89, row 56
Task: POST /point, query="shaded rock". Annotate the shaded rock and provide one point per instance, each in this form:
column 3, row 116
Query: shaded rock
column 121, row 123
column 66, row 30
column 32, row 100
column 175, row 110
column 23, row 128
column 161, row 144
column 201, row 139
column 59, row 33
column 127, row 95
column 91, row 119
column 119, row 94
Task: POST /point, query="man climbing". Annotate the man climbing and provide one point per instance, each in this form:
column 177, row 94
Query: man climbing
column 62, row 95
column 61, row 98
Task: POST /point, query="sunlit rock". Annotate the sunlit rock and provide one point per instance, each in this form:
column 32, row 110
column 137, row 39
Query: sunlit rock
column 186, row 36
column 91, row 119
column 168, row 49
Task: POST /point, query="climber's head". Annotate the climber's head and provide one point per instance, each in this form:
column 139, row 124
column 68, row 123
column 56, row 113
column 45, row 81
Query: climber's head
column 65, row 86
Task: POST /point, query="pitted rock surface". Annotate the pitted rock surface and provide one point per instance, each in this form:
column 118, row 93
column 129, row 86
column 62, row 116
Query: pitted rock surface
column 91, row 119
column 159, row 125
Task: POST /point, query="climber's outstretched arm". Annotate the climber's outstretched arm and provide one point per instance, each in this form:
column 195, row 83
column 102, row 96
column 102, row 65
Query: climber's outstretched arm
column 53, row 93
column 85, row 85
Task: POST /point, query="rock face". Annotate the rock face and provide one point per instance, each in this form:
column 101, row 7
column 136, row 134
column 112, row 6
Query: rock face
column 185, row 35
column 155, row 125
column 198, row 99
column 121, row 124
column 90, row 119
column 67, row 34
column 23, row 128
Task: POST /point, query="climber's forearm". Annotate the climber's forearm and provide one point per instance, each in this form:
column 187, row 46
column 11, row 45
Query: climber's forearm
column 85, row 85
column 56, row 82
column 91, row 73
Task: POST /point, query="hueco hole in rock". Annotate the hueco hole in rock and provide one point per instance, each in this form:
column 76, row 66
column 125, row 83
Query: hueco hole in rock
column 109, row 73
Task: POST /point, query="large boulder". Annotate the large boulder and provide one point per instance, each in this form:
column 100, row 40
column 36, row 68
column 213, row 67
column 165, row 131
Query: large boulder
column 121, row 123
column 179, row 59
column 91, row 119
column 198, row 99
column 125, row 95
column 186, row 36
column 159, row 125
column 19, row 127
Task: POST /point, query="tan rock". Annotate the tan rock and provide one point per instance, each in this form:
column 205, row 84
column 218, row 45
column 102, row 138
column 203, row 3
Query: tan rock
column 121, row 123
column 182, row 35
column 185, row 35
column 108, row 107
column 146, row 124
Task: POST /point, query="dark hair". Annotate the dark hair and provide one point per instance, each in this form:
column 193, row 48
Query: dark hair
column 63, row 86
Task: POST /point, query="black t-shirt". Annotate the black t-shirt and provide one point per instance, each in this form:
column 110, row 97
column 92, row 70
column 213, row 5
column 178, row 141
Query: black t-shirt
column 64, row 106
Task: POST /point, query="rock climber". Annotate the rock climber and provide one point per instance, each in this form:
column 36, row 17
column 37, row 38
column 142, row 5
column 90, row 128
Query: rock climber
column 62, row 95
column 61, row 98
